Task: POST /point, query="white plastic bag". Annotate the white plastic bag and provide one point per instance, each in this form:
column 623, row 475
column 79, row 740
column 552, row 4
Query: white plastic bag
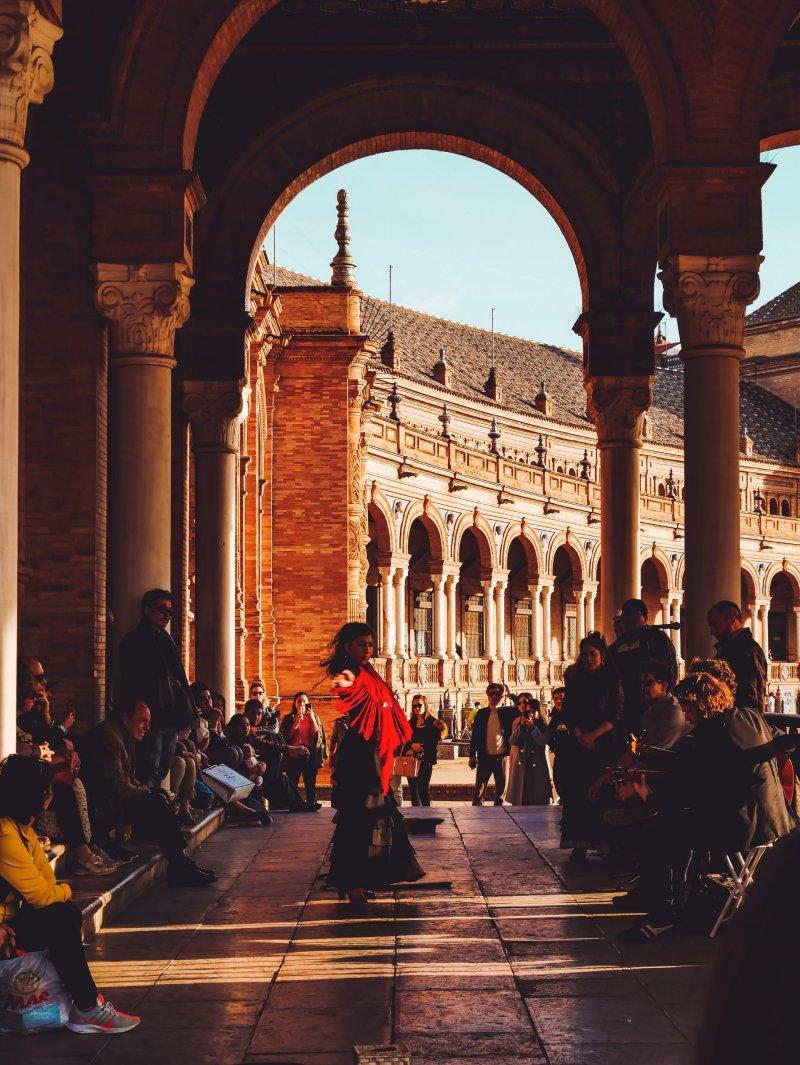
column 32, row 997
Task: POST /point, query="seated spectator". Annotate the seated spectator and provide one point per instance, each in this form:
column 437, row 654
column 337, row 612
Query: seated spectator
column 183, row 777
column 257, row 691
column 219, row 703
column 304, row 733
column 109, row 759
column 36, row 912
column 254, row 769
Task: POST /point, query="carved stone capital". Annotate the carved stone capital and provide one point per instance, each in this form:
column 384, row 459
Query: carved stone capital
column 617, row 406
column 145, row 305
column 26, row 70
column 708, row 296
column 215, row 409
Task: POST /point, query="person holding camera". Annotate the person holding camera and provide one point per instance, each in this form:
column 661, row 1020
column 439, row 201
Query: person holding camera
column 306, row 746
column 529, row 782
column 490, row 743
column 427, row 732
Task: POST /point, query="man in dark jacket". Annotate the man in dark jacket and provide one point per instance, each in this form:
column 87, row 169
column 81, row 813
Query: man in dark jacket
column 150, row 670
column 638, row 648
column 735, row 644
column 490, row 744
column 108, row 755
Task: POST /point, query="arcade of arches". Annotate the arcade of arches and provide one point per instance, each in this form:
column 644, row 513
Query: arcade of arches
column 171, row 417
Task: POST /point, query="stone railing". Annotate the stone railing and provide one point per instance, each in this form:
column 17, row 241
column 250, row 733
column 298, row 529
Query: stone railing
column 380, row 665
column 472, row 673
column 771, row 526
column 782, row 671
column 422, row 673
column 521, row 672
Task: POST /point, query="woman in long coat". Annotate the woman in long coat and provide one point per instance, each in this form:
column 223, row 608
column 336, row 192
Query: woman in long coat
column 529, row 782
column 592, row 708
column 371, row 849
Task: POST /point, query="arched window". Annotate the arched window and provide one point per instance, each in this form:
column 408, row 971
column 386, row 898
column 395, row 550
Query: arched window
column 572, row 472
column 773, row 505
column 786, row 508
column 559, row 469
column 661, row 490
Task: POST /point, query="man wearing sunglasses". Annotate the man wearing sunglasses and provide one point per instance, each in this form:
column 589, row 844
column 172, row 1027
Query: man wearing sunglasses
column 150, row 671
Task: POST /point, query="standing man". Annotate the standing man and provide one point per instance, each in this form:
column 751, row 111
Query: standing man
column 150, row 671
column 634, row 652
column 735, row 644
column 490, row 743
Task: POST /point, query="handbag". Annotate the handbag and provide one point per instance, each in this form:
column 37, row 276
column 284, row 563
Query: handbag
column 405, row 765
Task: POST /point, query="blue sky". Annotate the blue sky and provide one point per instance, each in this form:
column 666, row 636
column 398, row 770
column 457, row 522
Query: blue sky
column 463, row 238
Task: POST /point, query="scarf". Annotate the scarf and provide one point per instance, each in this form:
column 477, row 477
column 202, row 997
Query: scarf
column 373, row 711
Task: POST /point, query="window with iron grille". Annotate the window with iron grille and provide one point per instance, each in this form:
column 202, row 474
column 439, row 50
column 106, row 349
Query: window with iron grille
column 474, row 646
column 523, row 629
column 570, row 649
column 423, row 623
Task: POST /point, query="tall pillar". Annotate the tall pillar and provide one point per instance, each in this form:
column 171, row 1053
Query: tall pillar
column 452, row 614
column 591, row 597
column 386, row 637
column 26, row 76
column 534, row 591
column 708, row 296
column 617, row 406
column 501, row 581
column 145, row 305
column 794, row 649
column 489, row 618
column 215, row 409
column 580, row 599
column 675, row 617
column 401, row 627
column 760, row 624
column 546, row 593
column 439, row 615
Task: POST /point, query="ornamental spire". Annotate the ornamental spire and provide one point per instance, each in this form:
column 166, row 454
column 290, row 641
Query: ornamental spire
column 343, row 264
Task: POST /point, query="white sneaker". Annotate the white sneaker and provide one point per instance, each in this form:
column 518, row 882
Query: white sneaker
column 104, row 1017
column 106, row 859
column 93, row 866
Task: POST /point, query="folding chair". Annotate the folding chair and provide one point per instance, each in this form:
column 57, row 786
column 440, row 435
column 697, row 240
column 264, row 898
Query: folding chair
column 739, row 882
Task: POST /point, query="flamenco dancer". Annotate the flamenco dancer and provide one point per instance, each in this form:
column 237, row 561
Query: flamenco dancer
column 371, row 850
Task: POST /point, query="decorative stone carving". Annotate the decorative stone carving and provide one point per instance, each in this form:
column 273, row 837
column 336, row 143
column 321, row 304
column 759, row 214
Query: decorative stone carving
column 145, row 305
column 26, row 68
column 617, row 405
column 215, row 409
column 343, row 265
column 708, row 296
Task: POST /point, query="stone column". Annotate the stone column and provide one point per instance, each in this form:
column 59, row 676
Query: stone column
column 439, row 616
column 591, row 597
column 386, row 636
column 489, row 617
column 675, row 616
column 145, row 305
column 452, row 614
column 26, row 76
column 401, row 627
column 617, row 405
column 357, row 521
column 534, row 591
column 708, row 296
column 500, row 616
column 215, row 409
column 794, row 650
column 580, row 598
column 547, row 633
column 760, row 625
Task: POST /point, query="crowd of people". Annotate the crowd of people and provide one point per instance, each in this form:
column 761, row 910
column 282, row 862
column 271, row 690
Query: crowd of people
column 660, row 774
column 138, row 777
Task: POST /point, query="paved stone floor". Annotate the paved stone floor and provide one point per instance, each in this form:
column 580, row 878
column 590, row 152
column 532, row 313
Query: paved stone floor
column 516, row 963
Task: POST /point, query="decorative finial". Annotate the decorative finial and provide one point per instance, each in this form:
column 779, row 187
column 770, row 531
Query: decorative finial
column 541, row 452
column 343, row 265
column 394, row 402
column 586, row 466
column 390, row 352
column 671, row 486
column 444, row 418
column 494, row 436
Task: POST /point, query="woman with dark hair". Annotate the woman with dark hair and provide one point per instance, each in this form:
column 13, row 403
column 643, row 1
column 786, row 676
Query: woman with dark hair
column 35, row 911
column 529, row 782
column 303, row 731
column 592, row 707
column 427, row 732
column 370, row 845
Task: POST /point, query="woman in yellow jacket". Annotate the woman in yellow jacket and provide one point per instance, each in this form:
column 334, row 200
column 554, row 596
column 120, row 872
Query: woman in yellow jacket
column 35, row 909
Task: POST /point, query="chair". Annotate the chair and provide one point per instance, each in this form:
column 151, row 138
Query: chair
column 742, row 873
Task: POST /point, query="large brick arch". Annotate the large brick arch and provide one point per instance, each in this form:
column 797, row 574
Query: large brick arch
column 559, row 166
column 159, row 102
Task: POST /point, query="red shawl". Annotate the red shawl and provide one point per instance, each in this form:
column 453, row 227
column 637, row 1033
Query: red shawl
column 374, row 711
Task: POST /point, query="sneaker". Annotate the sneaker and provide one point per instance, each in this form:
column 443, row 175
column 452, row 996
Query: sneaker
column 104, row 1017
column 654, row 926
column 93, row 866
column 106, row 859
column 188, row 874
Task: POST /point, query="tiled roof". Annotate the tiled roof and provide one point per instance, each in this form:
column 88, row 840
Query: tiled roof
column 782, row 308
column 523, row 364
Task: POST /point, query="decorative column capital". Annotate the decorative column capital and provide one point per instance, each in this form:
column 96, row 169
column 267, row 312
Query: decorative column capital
column 215, row 409
column 617, row 407
column 708, row 295
column 26, row 70
column 145, row 305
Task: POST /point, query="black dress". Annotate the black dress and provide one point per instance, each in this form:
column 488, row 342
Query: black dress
column 370, row 847
column 590, row 699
